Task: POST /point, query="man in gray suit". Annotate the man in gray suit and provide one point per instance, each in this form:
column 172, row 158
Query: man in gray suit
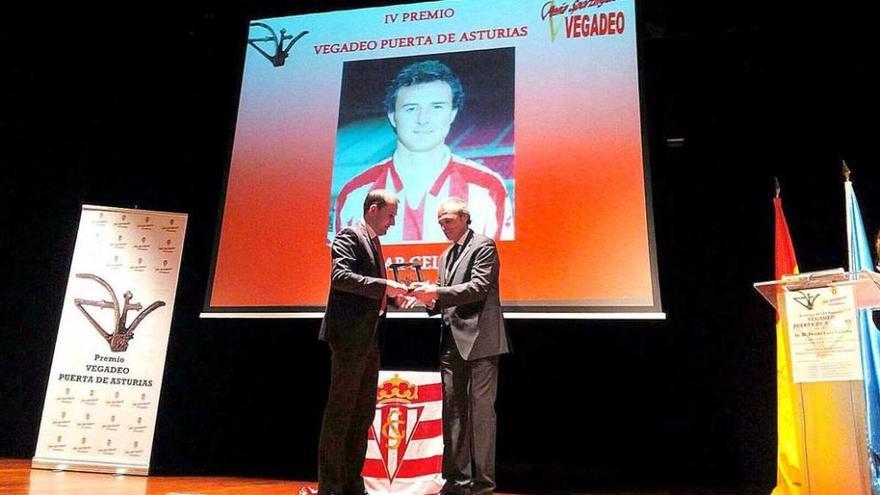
column 359, row 294
column 473, row 338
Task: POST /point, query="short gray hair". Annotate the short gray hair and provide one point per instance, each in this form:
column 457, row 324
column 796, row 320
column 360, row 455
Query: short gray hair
column 454, row 204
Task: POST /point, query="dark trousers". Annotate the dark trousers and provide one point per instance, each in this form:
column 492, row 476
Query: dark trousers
column 351, row 406
column 469, row 390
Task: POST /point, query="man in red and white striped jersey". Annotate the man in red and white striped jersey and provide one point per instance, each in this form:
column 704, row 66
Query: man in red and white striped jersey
column 421, row 103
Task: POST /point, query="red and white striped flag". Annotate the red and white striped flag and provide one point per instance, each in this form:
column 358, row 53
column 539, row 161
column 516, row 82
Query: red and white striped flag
column 405, row 447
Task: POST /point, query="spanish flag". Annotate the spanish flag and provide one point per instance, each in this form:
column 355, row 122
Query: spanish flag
column 789, row 465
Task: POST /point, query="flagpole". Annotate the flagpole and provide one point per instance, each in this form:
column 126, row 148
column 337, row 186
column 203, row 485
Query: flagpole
column 848, row 193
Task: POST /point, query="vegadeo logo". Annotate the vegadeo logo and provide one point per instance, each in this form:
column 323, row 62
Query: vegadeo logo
column 273, row 47
column 118, row 336
column 576, row 22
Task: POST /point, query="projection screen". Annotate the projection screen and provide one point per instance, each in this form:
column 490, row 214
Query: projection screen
column 544, row 141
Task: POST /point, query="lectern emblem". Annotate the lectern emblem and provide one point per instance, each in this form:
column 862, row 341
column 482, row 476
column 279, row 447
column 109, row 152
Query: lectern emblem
column 806, row 299
column 396, row 421
column 122, row 333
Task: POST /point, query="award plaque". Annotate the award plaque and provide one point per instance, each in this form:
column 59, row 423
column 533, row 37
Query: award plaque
column 407, row 273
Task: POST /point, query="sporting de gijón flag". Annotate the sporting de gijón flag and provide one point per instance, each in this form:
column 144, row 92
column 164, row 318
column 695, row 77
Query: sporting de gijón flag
column 405, row 445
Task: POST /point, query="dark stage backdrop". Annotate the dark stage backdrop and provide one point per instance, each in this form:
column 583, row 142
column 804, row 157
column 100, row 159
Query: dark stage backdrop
column 136, row 107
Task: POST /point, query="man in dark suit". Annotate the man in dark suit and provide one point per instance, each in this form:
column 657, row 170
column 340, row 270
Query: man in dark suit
column 359, row 294
column 473, row 338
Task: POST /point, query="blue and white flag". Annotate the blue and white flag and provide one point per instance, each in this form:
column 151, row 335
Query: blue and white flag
column 860, row 259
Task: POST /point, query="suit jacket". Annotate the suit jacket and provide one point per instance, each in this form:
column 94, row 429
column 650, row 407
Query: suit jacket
column 357, row 286
column 469, row 302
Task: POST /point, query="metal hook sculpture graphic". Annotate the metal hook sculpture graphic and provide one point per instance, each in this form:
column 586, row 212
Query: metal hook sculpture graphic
column 281, row 52
column 118, row 340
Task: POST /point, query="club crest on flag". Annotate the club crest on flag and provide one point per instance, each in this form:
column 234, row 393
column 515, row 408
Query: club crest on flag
column 395, row 422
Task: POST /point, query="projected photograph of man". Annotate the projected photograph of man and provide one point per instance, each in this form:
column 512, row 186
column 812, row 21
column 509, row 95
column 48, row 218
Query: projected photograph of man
column 427, row 128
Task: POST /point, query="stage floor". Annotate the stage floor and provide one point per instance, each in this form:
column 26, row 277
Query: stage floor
column 17, row 478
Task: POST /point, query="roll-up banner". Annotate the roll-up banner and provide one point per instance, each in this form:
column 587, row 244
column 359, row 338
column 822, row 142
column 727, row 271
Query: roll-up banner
column 103, row 393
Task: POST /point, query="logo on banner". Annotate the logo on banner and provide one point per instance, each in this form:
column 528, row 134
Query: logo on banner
column 396, row 421
column 576, row 22
column 123, row 332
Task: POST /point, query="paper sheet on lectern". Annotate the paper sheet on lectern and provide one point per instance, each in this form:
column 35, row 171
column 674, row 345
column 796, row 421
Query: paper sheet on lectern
column 824, row 334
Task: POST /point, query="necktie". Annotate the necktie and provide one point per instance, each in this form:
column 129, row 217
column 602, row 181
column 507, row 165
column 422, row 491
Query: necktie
column 377, row 247
column 453, row 256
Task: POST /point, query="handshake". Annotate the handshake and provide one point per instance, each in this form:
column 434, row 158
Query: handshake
column 412, row 295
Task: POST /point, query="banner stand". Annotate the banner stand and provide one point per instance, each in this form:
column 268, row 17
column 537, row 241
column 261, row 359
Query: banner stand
column 102, row 398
